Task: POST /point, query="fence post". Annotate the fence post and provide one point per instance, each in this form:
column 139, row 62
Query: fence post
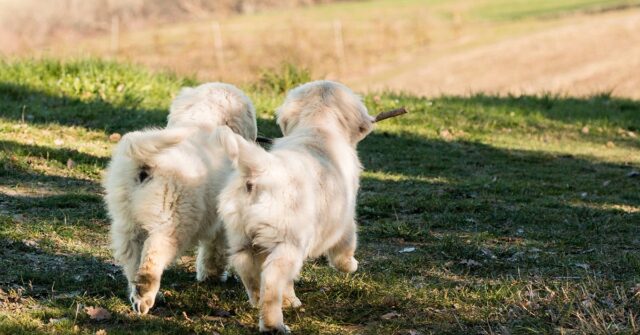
column 115, row 35
column 339, row 45
column 217, row 43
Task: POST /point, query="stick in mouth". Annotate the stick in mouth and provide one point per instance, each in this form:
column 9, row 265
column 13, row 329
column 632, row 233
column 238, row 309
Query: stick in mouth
column 390, row 114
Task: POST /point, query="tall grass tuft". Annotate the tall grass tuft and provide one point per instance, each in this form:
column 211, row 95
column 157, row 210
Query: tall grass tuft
column 283, row 79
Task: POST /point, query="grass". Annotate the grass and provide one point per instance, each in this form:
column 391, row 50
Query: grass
column 520, row 209
column 520, row 9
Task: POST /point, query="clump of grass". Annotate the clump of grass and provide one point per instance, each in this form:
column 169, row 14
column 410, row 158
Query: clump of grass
column 284, row 78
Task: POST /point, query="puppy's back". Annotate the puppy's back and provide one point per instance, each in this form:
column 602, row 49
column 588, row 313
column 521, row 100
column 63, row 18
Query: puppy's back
column 214, row 104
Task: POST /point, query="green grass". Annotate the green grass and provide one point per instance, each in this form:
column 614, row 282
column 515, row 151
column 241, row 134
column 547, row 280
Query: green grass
column 522, row 222
column 521, row 9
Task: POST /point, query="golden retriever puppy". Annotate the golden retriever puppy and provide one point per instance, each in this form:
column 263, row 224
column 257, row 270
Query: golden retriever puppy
column 297, row 200
column 161, row 189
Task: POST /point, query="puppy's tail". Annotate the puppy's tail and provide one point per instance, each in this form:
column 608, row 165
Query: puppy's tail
column 246, row 156
column 142, row 146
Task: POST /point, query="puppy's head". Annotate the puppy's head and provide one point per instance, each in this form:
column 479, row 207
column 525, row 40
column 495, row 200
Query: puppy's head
column 255, row 175
column 214, row 104
column 325, row 103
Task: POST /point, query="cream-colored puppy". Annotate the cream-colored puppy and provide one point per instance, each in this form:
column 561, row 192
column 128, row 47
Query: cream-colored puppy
column 162, row 185
column 298, row 200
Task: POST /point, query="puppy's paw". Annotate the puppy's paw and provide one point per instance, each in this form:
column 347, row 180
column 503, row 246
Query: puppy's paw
column 224, row 277
column 280, row 328
column 141, row 304
column 346, row 264
column 204, row 275
column 143, row 293
column 205, row 271
column 291, row 302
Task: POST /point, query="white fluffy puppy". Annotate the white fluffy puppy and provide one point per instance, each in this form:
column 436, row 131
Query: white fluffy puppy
column 298, row 200
column 162, row 185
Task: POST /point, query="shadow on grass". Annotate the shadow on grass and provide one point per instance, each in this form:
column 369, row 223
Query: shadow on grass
column 488, row 176
column 61, row 155
column 466, row 200
column 602, row 109
column 17, row 160
column 42, row 108
column 19, row 102
column 56, row 286
column 598, row 108
column 45, row 272
column 35, row 195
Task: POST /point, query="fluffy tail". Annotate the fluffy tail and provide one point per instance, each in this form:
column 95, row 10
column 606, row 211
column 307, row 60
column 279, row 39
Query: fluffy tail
column 246, row 156
column 141, row 146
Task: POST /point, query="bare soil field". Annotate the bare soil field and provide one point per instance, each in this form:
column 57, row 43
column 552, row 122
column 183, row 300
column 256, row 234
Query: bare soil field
column 585, row 55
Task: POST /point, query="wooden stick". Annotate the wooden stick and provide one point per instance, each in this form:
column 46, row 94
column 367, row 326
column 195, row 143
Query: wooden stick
column 390, row 114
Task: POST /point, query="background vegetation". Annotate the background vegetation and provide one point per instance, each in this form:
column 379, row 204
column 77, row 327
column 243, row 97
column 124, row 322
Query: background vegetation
column 376, row 44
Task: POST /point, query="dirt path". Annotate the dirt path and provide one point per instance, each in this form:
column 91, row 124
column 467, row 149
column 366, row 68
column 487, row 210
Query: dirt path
column 595, row 53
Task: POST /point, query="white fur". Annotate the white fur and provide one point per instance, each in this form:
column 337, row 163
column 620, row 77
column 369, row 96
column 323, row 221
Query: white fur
column 155, row 219
column 194, row 106
column 297, row 200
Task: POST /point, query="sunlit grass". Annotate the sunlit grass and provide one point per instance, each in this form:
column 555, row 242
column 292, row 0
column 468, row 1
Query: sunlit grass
column 519, row 9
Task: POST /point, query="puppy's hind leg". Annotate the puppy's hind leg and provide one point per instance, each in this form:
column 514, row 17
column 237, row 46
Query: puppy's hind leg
column 127, row 246
column 158, row 252
column 341, row 254
column 280, row 268
column 212, row 255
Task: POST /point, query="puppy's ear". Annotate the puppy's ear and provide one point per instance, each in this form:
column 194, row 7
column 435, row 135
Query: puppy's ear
column 247, row 157
column 183, row 100
column 365, row 127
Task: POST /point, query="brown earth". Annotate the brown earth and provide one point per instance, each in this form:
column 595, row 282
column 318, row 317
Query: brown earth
column 585, row 55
